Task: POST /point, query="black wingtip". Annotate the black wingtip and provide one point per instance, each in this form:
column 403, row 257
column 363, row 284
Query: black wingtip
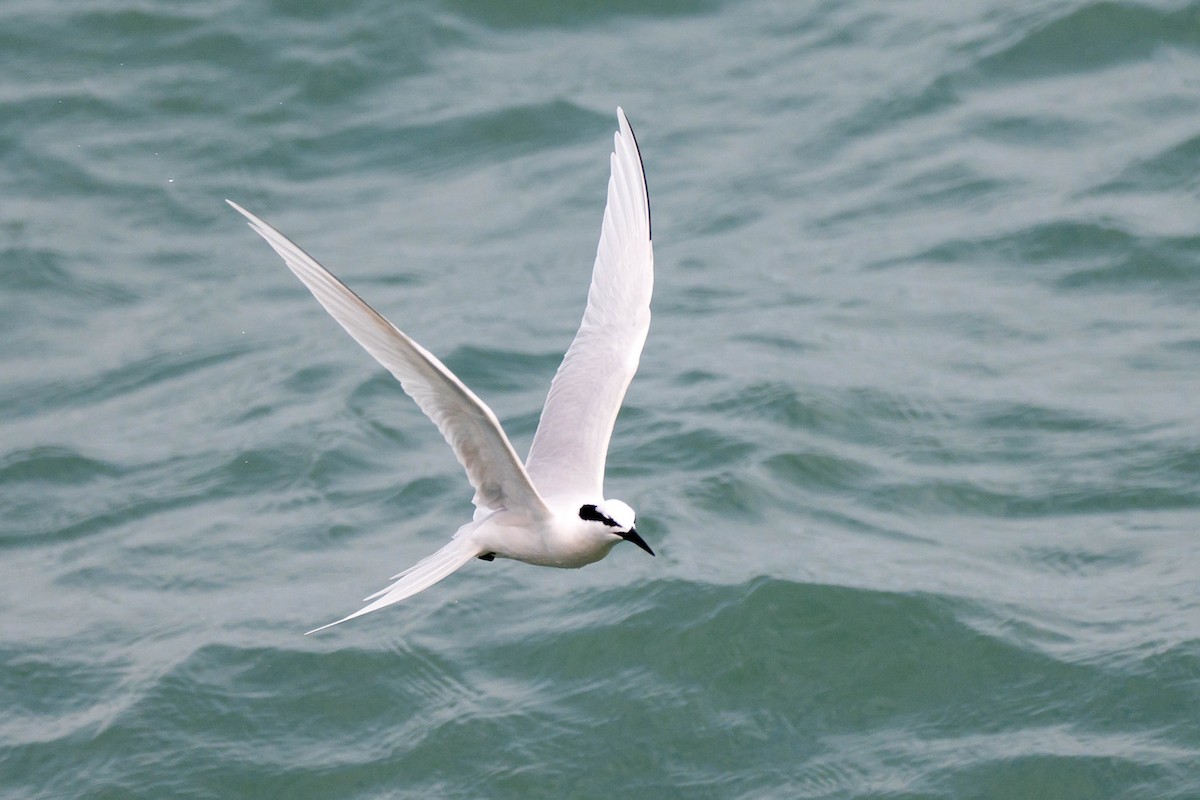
column 645, row 184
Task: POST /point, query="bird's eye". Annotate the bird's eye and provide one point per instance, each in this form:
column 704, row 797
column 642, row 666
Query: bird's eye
column 590, row 512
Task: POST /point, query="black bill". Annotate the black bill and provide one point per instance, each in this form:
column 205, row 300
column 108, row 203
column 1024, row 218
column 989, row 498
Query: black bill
column 633, row 536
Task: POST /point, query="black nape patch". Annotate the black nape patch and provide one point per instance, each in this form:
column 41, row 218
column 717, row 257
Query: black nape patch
column 590, row 512
column 488, row 557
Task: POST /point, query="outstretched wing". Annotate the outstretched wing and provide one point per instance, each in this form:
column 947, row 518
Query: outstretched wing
column 469, row 426
column 571, row 444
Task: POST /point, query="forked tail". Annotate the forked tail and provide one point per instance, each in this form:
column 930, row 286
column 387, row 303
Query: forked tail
column 421, row 576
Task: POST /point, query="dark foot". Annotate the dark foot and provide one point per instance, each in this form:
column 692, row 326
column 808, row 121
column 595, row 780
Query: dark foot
column 488, row 557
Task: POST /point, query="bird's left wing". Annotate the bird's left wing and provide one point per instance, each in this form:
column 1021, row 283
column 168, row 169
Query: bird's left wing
column 571, row 443
column 470, row 427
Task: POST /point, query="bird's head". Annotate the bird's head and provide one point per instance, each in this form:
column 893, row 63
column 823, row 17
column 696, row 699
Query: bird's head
column 617, row 519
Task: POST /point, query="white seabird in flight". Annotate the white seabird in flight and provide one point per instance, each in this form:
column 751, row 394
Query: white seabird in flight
column 550, row 511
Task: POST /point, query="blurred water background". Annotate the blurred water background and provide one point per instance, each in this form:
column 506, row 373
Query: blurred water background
column 915, row 433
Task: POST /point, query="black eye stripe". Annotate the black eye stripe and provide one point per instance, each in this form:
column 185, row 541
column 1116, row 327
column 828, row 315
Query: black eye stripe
column 590, row 512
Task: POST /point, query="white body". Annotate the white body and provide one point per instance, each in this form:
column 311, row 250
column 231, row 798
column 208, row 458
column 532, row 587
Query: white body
column 549, row 511
column 560, row 539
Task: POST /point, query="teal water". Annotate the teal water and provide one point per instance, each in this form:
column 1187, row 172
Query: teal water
column 915, row 434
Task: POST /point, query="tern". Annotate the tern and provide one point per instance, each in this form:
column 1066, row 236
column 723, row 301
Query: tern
column 550, row 511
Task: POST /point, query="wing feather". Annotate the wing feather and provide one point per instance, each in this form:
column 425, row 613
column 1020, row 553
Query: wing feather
column 469, row 426
column 571, row 444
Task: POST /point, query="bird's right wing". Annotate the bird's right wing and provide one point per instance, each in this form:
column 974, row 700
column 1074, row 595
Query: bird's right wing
column 469, row 426
column 571, row 444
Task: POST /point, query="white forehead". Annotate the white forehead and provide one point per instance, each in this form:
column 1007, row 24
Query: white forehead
column 618, row 512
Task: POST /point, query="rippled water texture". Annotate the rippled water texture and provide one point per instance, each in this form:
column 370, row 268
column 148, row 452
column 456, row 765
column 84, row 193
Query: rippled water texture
column 915, row 435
